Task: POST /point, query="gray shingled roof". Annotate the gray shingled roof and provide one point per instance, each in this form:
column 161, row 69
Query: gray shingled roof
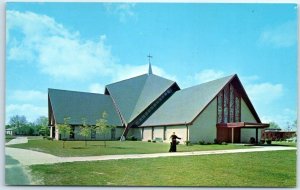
column 184, row 105
column 133, row 95
column 81, row 104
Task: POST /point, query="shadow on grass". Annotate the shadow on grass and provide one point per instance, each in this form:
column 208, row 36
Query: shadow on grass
column 79, row 147
column 14, row 173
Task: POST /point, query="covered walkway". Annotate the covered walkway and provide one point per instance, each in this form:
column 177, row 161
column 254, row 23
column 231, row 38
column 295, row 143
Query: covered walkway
column 231, row 132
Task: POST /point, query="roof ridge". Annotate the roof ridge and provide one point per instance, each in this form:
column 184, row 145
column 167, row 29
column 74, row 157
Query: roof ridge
column 229, row 76
column 76, row 91
column 125, row 80
column 130, row 118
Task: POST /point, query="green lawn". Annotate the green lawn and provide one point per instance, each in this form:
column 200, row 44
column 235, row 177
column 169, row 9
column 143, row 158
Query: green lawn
column 94, row 148
column 8, row 138
column 256, row 169
column 283, row 143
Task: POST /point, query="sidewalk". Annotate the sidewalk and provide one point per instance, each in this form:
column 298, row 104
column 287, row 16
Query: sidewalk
column 29, row 157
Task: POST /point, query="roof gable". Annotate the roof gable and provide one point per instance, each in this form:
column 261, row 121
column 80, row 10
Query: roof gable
column 185, row 105
column 126, row 93
column 133, row 95
column 153, row 88
column 77, row 105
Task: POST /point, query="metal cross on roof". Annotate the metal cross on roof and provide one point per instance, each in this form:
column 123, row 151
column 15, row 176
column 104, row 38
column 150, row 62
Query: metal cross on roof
column 149, row 57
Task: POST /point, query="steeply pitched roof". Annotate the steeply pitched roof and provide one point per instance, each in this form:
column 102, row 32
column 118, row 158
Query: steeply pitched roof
column 81, row 104
column 133, row 95
column 184, row 105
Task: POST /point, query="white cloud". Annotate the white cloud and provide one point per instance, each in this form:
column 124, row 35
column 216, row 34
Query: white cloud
column 28, row 95
column 282, row 119
column 63, row 54
column 208, row 75
column 96, row 88
column 31, row 112
column 123, row 10
column 264, row 93
column 127, row 71
column 55, row 50
column 283, row 35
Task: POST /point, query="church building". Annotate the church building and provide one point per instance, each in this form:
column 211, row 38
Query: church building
column 150, row 107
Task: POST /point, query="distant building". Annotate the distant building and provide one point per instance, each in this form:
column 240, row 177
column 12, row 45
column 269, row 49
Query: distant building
column 151, row 107
column 9, row 131
column 277, row 134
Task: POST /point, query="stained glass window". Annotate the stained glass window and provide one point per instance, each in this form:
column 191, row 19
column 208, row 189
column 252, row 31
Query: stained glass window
column 228, row 105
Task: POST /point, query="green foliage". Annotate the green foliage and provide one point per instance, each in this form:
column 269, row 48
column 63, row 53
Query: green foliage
column 64, row 129
column 85, row 130
column 187, row 143
column 42, row 126
column 20, row 126
column 102, row 126
column 269, row 141
column 131, row 138
column 202, row 142
column 19, row 122
column 274, row 125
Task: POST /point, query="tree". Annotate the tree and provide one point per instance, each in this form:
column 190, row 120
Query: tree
column 42, row 126
column 42, row 121
column 102, row 126
column 274, row 125
column 17, row 122
column 64, row 129
column 85, row 130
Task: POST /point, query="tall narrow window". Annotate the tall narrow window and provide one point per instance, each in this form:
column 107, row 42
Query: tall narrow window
column 165, row 131
column 93, row 133
column 231, row 104
column 72, row 132
column 228, row 105
column 220, row 107
column 113, row 133
column 152, row 135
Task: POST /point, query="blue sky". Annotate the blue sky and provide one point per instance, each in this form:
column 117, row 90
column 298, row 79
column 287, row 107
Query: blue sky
column 84, row 46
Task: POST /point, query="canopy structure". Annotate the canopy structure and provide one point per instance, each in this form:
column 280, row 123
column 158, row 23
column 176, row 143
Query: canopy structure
column 239, row 125
column 244, row 125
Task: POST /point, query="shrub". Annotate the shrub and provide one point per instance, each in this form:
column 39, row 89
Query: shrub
column 262, row 141
column 187, row 143
column 149, row 140
column 208, row 143
column 202, row 142
column 216, row 141
column 131, row 138
column 252, row 140
column 269, row 141
column 154, row 141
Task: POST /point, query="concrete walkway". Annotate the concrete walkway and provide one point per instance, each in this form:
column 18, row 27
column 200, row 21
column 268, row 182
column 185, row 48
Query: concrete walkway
column 15, row 172
column 18, row 140
column 29, row 157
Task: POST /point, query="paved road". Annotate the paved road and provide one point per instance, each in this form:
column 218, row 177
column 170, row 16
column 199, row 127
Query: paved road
column 15, row 172
column 34, row 157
